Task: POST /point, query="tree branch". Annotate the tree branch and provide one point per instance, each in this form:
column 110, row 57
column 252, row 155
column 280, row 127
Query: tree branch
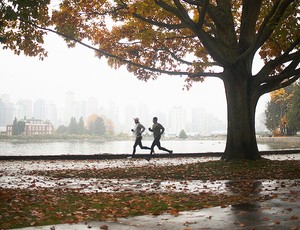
column 159, row 24
column 202, row 13
column 263, row 74
column 273, row 18
column 267, row 27
column 250, row 13
column 278, row 84
column 289, row 74
column 128, row 62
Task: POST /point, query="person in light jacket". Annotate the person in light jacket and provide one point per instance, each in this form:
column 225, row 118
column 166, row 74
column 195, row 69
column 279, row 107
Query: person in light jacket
column 138, row 130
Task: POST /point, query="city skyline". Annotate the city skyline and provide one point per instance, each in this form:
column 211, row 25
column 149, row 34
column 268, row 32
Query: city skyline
column 78, row 70
column 175, row 118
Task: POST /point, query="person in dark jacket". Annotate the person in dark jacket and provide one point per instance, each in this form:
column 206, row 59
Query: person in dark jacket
column 157, row 130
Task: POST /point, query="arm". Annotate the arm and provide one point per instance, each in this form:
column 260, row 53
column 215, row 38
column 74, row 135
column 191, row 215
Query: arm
column 162, row 129
column 142, row 128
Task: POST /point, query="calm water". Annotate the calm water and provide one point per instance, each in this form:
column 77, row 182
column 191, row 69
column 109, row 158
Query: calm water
column 119, row 147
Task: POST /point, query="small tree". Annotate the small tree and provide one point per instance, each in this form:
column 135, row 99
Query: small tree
column 21, row 127
column 73, row 126
column 62, row 129
column 80, row 126
column 98, row 127
column 272, row 116
column 293, row 115
column 15, row 128
column 277, row 108
column 182, row 134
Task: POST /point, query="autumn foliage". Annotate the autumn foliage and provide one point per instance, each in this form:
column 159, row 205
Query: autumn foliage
column 192, row 39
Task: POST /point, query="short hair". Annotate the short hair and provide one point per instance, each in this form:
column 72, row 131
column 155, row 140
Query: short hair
column 154, row 118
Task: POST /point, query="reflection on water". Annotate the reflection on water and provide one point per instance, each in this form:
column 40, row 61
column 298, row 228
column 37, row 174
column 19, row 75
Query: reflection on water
column 119, row 147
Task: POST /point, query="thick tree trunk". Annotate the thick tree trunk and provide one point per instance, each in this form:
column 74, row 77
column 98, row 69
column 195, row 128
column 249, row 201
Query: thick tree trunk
column 241, row 104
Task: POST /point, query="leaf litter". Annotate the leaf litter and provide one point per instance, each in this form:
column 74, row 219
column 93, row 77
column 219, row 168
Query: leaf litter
column 31, row 191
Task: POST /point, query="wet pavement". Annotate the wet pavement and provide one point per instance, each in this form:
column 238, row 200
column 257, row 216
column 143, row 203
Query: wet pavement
column 282, row 211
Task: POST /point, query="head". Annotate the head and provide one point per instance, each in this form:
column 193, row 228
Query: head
column 136, row 120
column 154, row 119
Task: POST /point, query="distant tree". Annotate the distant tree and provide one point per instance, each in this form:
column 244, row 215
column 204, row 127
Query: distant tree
column 18, row 127
column 90, row 120
column 62, row 129
column 109, row 126
column 72, row 129
column 273, row 116
column 293, row 115
column 98, row 127
column 182, row 134
column 80, row 126
column 21, row 127
column 277, row 109
column 15, row 128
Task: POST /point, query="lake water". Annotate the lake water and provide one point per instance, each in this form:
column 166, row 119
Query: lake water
column 120, row 147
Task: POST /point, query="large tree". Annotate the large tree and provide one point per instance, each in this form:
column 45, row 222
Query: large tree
column 195, row 39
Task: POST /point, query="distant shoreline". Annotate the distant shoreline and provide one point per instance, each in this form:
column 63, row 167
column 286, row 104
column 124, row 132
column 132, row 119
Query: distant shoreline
column 278, row 140
column 49, row 138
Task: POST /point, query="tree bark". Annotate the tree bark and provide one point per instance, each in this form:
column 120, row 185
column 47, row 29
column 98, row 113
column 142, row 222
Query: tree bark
column 241, row 104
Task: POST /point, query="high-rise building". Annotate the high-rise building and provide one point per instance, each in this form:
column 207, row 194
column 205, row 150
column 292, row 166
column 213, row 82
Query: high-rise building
column 198, row 120
column 130, row 113
column 205, row 124
column 113, row 114
column 24, row 109
column 6, row 110
column 143, row 113
column 177, row 120
column 51, row 113
column 39, row 109
column 2, row 113
column 92, row 106
column 68, row 107
column 79, row 110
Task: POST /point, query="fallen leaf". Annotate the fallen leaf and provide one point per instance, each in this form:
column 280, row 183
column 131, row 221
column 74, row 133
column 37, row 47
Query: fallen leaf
column 104, row 227
column 294, row 217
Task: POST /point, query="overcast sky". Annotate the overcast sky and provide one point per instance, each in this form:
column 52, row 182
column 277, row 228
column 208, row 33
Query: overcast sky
column 78, row 70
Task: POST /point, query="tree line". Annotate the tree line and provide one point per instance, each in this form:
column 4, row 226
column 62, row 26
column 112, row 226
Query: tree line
column 283, row 111
column 18, row 127
column 96, row 125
